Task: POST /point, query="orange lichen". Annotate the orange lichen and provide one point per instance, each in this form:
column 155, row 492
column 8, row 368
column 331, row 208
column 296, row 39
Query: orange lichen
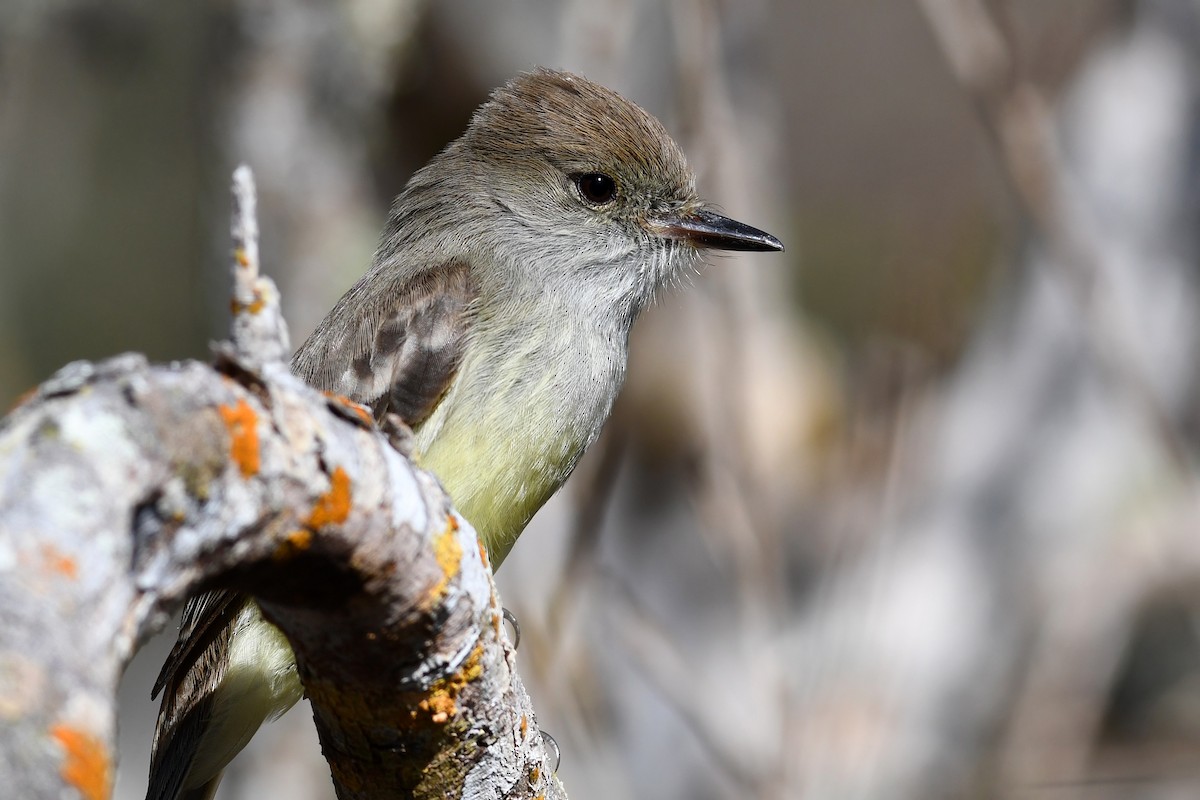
column 241, row 421
column 448, row 552
column 333, row 507
column 300, row 539
column 254, row 306
column 534, row 774
column 57, row 561
column 442, row 702
column 441, row 706
column 524, row 726
column 357, row 409
column 87, row 766
column 483, row 556
column 294, row 542
column 240, row 256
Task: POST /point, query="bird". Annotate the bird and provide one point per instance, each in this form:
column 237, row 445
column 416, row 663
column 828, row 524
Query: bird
column 494, row 320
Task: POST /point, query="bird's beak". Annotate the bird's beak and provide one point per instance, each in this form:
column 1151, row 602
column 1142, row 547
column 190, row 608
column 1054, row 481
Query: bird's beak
column 705, row 228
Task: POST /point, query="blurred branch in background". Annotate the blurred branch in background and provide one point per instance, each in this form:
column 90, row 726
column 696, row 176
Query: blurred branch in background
column 1111, row 225
column 312, row 86
column 1040, row 471
column 1020, row 121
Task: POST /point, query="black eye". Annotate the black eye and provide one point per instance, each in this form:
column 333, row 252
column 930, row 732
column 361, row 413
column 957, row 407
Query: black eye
column 596, row 187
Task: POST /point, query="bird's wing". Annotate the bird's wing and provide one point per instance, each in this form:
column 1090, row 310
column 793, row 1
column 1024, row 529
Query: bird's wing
column 204, row 618
column 192, row 671
column 394, row 345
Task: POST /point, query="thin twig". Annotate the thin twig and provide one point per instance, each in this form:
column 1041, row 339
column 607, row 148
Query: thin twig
column 259, row 333
column 245, row 233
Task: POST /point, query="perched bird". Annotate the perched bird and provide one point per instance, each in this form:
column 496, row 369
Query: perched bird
column 495, row 321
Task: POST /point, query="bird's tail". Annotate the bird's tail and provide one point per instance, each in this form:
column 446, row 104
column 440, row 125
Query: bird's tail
column 230, row 672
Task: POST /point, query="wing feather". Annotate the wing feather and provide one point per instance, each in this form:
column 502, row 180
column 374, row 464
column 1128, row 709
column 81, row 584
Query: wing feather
column 394, row 346
column 192, row 671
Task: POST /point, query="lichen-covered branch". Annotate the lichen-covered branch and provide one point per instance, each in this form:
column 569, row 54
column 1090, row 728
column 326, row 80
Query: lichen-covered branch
column 125, row 487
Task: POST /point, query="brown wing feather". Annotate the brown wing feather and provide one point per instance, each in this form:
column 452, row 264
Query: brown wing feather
column 195, row 666
column 394, row 347
column 204, row 618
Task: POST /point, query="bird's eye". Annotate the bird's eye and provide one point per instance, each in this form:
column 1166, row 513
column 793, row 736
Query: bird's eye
column 596, row 187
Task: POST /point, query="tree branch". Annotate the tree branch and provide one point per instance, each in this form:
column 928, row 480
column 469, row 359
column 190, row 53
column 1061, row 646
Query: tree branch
column 126, row 487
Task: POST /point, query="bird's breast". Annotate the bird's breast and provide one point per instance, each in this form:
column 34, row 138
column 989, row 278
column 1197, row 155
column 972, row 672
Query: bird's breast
column 529, row 398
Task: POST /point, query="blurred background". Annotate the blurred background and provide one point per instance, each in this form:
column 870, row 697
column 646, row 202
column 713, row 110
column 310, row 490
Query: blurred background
column 909, row 511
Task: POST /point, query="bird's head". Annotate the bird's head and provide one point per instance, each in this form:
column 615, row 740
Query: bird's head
column 589, row 187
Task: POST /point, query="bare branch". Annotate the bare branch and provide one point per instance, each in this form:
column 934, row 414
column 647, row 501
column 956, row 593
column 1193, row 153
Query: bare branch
column 259, row 333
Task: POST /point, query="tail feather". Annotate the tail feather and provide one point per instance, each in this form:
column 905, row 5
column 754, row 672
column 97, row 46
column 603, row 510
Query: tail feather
column 242, row 674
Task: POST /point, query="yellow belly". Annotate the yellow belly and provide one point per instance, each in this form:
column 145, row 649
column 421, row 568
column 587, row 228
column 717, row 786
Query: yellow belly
column 499, row 469
column 508, row 434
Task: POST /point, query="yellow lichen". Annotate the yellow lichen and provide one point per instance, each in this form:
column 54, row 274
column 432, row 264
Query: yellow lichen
column 442, row 700
column 448, row 552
